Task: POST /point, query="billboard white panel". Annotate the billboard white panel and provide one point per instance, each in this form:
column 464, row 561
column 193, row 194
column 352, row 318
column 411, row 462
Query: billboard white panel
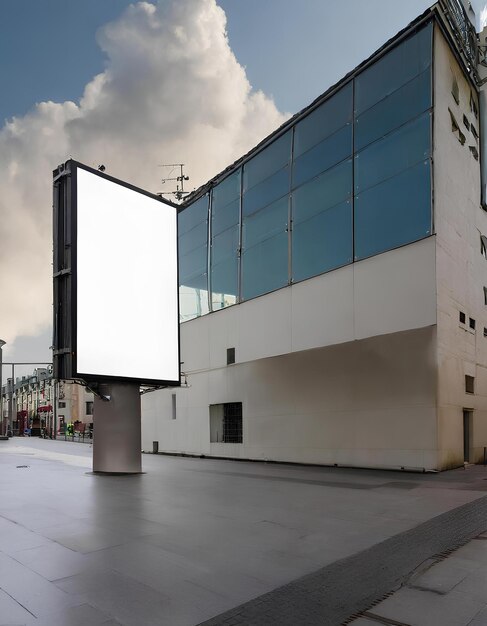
column 126, row 282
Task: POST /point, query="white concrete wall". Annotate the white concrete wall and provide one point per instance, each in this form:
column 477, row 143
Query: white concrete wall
column 461, row 269
column 329, row 370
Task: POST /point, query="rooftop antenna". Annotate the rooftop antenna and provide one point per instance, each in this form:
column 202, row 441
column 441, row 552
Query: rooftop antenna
column 180, row 192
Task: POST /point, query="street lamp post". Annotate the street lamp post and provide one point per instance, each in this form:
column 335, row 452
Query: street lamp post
column 2, row 343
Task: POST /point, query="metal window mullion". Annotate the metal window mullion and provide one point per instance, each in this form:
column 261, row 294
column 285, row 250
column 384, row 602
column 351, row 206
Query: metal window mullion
column 290, row 213
column 208, row 249
column 240, row 240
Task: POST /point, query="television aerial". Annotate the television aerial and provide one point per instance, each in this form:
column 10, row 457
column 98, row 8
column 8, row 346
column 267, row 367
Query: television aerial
column 179, row 193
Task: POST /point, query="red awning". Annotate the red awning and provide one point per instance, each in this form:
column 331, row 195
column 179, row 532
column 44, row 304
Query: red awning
column 43, row 409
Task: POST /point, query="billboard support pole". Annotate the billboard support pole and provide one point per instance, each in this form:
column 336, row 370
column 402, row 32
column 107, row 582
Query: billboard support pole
column 117, row 429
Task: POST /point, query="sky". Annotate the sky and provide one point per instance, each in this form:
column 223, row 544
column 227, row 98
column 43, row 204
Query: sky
column 136, row 85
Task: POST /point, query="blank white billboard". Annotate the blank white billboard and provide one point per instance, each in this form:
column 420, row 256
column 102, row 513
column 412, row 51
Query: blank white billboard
column 126, row 285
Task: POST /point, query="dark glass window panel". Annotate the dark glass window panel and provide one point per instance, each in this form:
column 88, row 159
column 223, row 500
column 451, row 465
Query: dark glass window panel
column 226, row 191
column 224, row 283
column 266, row 192
column 224, row 217
column 271, row 159
column 265, row 266
column 193, row 263
column 329, row 189
column 192, row 215
column 397, row 67
column 323, row 242
column 398, row 151
column 266, row 223
column 394, row 213
column 404, row 104
column 225, row 245
column 323, row 156
column 194, row 238
column 324, row 121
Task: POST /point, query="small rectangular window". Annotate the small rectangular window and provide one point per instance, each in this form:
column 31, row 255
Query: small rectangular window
column 230, row 356
column 485, row 295
column 62, row 405
column 462, row 317
column 485, row 332
column 173, row 406
column 473, row 106
column 466, row 123
column 455, row 91
column 471, row 323
column 469, row 384
column 474, row 131
column 89, row 408
column 226, row 423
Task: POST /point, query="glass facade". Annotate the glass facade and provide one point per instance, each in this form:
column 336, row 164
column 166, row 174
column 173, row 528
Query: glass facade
column 349, row 180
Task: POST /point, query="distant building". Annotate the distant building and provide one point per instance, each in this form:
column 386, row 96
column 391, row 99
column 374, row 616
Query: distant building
column 40, row 404
column 334, row 280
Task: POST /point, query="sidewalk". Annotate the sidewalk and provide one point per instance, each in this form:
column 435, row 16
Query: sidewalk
column 449, row 591
column 199, row 539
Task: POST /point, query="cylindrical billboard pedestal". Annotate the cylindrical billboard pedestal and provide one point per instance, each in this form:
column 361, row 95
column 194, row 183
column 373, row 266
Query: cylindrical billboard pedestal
column 116, row 429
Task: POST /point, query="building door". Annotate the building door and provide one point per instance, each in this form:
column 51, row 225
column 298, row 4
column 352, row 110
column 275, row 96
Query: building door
column 467, row 433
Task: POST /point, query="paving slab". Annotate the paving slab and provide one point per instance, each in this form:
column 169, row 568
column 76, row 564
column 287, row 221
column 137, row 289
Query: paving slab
column 192, row 539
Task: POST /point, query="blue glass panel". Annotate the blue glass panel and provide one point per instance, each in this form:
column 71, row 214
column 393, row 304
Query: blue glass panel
column 271, row 159
column 394, row 213
column 266, row 192
column 329, row 189
column 192, row 215
column 224, row 281
column 194, row 238
column 324, row 121
column 225, row 245
column 398, row 151
column 265, row 266
column 325, row 154
column 266, row 223
column 192, row 263
column 224, row 217
column 193, row 298
column 394, row 69
column 226, row 191
column 323, row 242
column 404, row 104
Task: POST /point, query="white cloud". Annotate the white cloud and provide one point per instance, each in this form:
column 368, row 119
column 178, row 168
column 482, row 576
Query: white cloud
column 172, row 91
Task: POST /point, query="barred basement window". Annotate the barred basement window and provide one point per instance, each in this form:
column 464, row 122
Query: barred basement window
column 469, row 384
column 226, row 422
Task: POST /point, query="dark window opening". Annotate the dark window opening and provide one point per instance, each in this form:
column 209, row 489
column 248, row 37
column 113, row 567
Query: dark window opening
column 474, row 131
column 230, row 356
column 462, row 317
column 173, row 405
column 89, row 408
column 226, row 422
column 466, row 123
column 474, row 151
column 473, row 106
column 62, row 405
column 485, row 332
column 483, row 245
column 469, row 384
column 485, row 296
column 455, row 91
column 471, row 323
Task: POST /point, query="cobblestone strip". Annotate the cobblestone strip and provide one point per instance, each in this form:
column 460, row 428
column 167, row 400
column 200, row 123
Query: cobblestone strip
column 331, row 595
